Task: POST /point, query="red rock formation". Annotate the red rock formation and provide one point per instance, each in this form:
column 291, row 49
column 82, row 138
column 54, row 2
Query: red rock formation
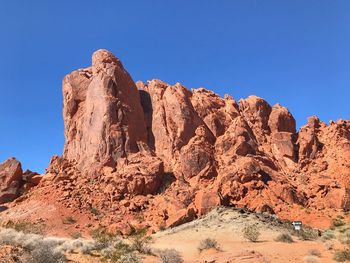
column 102, row 113
column 13, row 182
column 168, row 154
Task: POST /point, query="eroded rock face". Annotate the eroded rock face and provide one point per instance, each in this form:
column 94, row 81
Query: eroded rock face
column 257, row 111
column 283, row 136
column 13, row 182
column 166, row 139
column 102, row 113
column 171, row 154
column 10, row 180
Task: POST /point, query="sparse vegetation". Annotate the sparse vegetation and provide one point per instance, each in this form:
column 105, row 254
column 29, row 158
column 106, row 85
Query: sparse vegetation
column 307, row 233
column 343, row 230
column 112, row 247
column 76, row 235
column 25, row 227
column 344, row 235
column 69, row 220
column 314, row 252
column 327, row 235
column 208, row 243
column 342, row 255
column 329, row 245
column 34, row 242
column 116, row 251
column 140, row 241
column 347, row 233
column 94, row 211
column 46, row 253
column 170, row 256
column 311, row 259
column 103, row 237
column 251, row 232
column 130, row 258
column 286, row 238
column 337, row 222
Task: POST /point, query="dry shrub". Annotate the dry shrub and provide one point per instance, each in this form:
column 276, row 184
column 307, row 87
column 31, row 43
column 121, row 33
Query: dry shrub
column 314, row 252
column 31, row 242
column 307, row 233
column 45, row 253
column 104, row 238
column 208, row 243
column 25, row 227
column 327, row 235
column 116, row 251
column 337, row 222
column 140, row 241
column 329, row 245
column 347, row 233
column 311, row 259
column 286, row 238
column 130, row 258
column 170, row 256
column 342, row 255
column 345, row 237
column 251, row 232
column 69, row 220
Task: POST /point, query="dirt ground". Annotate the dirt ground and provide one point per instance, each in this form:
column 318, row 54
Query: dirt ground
column 226, row 227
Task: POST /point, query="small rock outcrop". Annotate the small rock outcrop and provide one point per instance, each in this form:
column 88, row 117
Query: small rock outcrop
column 13, row 181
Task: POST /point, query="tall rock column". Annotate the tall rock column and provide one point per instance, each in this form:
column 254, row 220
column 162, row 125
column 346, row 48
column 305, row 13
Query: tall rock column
column 103, row 117
column 283, row 136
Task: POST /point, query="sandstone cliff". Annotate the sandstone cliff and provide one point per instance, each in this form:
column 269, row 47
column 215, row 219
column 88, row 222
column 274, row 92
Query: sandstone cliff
column 168, row 154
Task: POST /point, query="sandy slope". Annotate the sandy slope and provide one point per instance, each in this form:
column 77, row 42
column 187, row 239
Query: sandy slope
column 225, row 225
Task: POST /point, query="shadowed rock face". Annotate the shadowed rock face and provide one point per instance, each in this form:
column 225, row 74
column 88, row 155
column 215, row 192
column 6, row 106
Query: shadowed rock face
column 173, row 154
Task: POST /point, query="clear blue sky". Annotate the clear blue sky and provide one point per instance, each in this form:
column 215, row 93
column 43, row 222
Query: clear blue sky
column 294, row 52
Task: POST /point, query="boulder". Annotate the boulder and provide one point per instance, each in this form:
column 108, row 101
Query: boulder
column 11, row 180
column 205, row 201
